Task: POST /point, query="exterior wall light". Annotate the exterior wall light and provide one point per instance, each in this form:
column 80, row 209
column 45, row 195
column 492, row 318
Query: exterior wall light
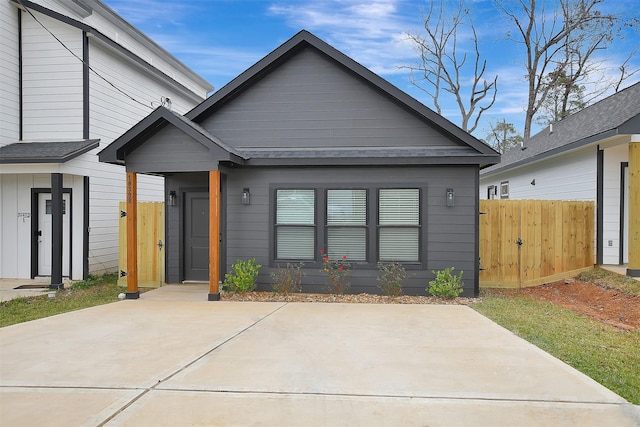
column 451, row 197
column 173, row 198
column 246, row 196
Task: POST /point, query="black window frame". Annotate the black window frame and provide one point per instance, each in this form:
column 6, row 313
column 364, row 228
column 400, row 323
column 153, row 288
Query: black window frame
column 504, row 194
column 372, row 234
column 366, row 226
column 276, row 225
column 419, row 226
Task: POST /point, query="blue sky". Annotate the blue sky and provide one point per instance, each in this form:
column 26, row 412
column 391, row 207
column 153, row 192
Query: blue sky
column 219, row 39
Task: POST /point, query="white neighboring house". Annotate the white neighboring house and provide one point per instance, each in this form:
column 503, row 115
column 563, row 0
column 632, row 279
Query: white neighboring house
column 585, row 156
column 63, row 99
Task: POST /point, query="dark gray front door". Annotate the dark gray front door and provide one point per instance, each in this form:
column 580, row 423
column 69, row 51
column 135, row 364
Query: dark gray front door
column 196, row 236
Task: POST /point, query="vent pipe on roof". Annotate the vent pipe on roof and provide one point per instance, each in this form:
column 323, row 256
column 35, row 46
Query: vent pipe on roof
column 550, row 128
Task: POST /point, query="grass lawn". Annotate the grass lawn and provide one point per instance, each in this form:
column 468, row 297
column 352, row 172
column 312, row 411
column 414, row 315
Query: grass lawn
column 608, row 355
column 93, row 291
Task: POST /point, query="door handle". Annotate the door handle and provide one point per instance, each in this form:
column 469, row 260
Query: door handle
column 39, row 232
column 160, row 244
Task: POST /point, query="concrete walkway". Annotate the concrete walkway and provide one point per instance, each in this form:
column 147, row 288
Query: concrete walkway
column 173, row 359
column 10, row 288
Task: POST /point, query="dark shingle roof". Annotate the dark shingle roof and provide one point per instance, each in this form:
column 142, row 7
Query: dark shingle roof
column 596, row 122
column 471, row 151
column 45, row 152
column 116, row 151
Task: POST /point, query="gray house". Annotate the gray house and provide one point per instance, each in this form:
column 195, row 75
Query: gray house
column 306, row 151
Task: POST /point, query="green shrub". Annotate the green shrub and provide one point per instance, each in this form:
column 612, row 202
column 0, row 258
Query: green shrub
column 391, row 278
column 445, row 285
column 338, row 271
column 288, row 279
column 243, row 276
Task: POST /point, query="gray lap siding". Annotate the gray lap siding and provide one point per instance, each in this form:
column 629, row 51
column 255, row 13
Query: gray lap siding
column 448, row 234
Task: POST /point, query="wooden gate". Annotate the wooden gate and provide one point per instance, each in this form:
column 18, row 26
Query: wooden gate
column 151, row 244
column 531, row 242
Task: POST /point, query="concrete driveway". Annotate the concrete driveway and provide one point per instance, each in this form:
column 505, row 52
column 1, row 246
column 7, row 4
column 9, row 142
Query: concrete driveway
column 173, row 359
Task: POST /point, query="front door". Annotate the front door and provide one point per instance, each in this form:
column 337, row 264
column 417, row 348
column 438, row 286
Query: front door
column 44, row 234
column 196, row 236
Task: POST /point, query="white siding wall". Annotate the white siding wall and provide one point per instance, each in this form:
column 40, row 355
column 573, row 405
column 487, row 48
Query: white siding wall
column 9, row 113
column 15, row 224
column 571, row 176
column 103, row 21
column 611, row 208
column 52, row 80
column 52, row 83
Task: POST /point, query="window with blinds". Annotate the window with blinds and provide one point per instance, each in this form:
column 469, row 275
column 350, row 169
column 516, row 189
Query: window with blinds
column 347, row 224
column 399, row 225
column 295, row 224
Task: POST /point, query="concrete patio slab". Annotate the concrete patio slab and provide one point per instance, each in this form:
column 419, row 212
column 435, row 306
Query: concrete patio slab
column 9, row 287
column 171, row 358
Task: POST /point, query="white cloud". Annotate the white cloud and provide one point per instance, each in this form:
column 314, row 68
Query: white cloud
column 371, row 32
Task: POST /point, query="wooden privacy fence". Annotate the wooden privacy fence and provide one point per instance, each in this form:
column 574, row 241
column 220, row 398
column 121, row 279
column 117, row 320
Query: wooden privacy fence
column 151, row 243
column 531, row 242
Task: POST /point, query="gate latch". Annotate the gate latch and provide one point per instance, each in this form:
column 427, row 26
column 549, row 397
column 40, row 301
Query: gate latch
column 519, row 241
column 160, row 245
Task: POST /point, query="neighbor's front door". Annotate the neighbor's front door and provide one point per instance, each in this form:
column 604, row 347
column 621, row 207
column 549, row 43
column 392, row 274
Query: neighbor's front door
column 196, row 236
column 44, row 234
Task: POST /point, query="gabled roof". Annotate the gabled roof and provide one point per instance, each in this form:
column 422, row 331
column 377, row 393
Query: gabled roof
column 469, row 150
column 305, row 39
column 116, row 151
column 617, row 114
column 45, row 151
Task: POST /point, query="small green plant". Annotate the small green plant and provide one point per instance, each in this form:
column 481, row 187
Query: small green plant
column 93, row 280
column 338, row 271
column 243, row 276
column 446, row 285
column 391, row 278
column 287, row 279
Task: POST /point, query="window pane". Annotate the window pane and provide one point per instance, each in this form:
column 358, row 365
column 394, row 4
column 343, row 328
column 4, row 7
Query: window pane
column 295, row 207
column 399, row 244
column 351, row 242
column 346, row 207
column 399, row 207
column 295, row 243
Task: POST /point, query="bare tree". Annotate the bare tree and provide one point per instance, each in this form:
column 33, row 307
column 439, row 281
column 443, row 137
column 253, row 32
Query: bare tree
column 625, row 72
column 503, row 136
column 564, row 98
column 443, row 68
column 559, row 44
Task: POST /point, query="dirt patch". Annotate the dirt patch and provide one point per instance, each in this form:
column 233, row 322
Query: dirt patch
column 604, row 304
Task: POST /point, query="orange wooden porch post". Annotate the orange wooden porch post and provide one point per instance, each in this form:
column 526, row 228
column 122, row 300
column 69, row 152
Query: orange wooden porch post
column 634, row 209
column 214, row 235
column 132, row 236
